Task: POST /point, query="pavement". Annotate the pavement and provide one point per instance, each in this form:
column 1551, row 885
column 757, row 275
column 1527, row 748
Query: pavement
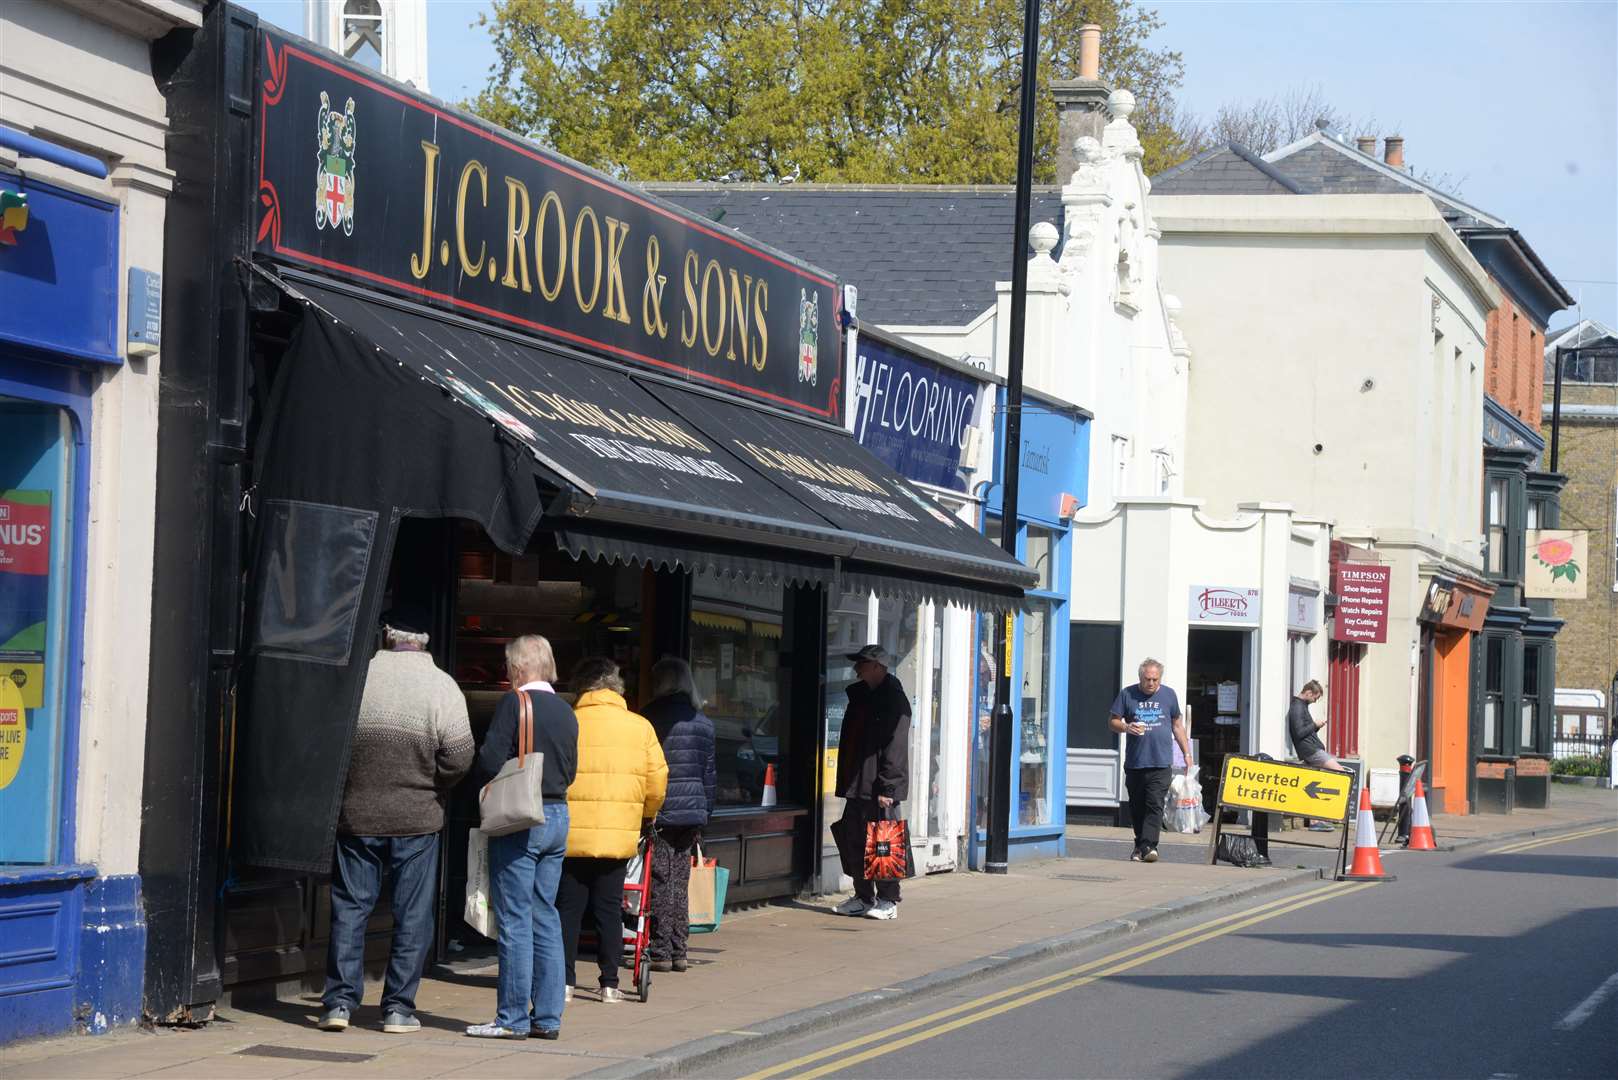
column 774, row 972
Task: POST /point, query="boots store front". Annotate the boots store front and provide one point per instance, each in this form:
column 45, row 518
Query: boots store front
column 448, row 368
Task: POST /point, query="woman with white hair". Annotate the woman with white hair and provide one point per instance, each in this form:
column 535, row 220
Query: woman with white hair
column 688, row 746
column 527, row 865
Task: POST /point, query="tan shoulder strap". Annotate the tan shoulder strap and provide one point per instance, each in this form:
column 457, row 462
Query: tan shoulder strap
column 525, row 727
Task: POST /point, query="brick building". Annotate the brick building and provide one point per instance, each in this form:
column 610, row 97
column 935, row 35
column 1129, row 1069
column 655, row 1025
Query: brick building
column 1587, row 657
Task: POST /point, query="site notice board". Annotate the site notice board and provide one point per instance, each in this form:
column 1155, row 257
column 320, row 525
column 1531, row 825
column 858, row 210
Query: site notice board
column 1277, row 787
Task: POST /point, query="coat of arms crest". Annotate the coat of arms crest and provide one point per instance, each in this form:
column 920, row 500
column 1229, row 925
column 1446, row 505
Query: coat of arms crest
column 808, row 337
column 334, row 177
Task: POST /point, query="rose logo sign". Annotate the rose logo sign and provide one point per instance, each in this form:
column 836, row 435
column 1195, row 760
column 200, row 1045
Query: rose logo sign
column 1557, row 555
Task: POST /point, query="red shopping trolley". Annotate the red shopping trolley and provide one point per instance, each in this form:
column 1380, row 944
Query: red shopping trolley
column 638, row 916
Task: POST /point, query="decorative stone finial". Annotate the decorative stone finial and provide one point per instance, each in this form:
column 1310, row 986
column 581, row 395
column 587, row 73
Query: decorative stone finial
column 1042, row 238
column 1120, row 104
column 1087, row 150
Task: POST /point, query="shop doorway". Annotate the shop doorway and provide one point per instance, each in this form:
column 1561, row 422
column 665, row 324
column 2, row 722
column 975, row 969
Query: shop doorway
column 915, row 634
column 1218, row 696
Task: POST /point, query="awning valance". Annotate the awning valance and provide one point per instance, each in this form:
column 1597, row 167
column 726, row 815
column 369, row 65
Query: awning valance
column 643, row 471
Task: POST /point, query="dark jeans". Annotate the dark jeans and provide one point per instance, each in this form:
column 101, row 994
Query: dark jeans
column 671, row 891
column 410, row 864
column 596, row 886
column 1147, row 789
column 856, row 812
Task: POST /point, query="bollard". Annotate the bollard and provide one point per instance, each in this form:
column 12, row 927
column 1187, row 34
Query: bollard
column 1402, row 829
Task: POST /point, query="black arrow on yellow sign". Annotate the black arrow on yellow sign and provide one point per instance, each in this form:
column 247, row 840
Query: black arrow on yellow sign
column 1315, row 791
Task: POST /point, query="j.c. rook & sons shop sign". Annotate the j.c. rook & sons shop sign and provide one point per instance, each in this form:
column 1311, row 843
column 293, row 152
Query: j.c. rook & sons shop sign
column 361, row 179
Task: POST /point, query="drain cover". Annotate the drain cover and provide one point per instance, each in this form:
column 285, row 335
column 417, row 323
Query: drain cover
column 298, row 1053
column 1085, row 877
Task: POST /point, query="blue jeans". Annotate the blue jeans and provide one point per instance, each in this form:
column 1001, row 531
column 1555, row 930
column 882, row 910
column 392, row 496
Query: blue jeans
column 411, row 866
column 526, row 867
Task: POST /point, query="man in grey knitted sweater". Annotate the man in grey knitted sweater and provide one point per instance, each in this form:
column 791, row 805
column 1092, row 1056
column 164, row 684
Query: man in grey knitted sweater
column 411, row 745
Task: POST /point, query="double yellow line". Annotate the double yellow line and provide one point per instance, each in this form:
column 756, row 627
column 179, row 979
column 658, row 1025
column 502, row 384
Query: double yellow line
column 938, row 1023
column 1536, row 842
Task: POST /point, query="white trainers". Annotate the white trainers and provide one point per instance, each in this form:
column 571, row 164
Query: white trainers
column 567, row 993
column 611, row 994
column 883, row 909
column 852, row 906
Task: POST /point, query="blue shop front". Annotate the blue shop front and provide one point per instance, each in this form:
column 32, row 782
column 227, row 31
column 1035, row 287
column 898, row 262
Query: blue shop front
column 58, row 310
column 1052, row 486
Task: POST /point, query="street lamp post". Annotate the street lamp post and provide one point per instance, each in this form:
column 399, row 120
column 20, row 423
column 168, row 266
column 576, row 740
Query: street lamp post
column 1000, row 726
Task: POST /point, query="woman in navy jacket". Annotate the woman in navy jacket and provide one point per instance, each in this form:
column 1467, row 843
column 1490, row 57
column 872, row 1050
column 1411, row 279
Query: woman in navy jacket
column 688, row 745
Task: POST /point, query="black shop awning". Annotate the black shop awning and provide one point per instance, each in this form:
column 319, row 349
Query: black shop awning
column 640, row 470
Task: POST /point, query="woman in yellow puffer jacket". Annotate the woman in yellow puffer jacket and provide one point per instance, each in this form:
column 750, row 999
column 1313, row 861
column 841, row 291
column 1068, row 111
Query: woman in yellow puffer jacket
column 620, row 783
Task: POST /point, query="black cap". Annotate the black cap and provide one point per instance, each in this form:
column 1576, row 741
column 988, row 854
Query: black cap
column 412, row 618
column 874, row 653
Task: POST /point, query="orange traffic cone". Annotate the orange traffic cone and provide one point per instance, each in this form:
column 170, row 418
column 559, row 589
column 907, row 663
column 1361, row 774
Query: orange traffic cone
column 769, row 786
column 1421, row 825
column 1367, row 859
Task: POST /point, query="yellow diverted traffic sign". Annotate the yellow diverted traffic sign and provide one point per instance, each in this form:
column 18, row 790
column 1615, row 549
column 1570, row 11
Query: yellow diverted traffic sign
column 1274, row 786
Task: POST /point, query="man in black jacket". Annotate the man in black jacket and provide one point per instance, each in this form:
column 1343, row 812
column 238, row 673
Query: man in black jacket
column 873, row 773
column 1305, row 729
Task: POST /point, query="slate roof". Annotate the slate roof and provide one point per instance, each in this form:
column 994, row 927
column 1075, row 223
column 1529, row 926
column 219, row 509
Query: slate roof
column 1231, row 169
column 1586, row 332
column 919, row 255
column 1323, row 164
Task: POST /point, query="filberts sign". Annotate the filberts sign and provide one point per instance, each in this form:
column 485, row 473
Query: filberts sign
column 1223, row 605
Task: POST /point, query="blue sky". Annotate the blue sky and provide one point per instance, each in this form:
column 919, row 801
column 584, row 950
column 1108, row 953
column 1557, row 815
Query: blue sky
column 1518, row 101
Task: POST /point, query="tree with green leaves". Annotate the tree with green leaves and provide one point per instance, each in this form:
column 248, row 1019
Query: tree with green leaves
column 854, row 91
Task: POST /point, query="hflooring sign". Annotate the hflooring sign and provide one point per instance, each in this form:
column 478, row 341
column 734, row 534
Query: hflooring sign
column 1280, row 788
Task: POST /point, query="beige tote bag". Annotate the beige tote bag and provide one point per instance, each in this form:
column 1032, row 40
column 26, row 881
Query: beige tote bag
column 511, row 802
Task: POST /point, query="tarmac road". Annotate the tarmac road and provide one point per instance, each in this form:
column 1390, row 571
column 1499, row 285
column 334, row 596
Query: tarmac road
column 1495, row 962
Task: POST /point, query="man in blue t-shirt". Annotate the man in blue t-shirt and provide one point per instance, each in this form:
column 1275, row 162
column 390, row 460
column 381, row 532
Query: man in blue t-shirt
column 1148, row 715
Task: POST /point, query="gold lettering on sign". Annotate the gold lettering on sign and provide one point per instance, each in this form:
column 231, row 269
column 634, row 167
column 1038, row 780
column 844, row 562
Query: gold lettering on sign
column 551, row 201
column 617, row 306
column 761, row 304
column 713, row 273
column 545, row 405
column 651, row 298
column 516, row 232
column 469, row 267
column 741, row 289
column 421, row 262
column 578, row 234
column 810, row 469
column 688, row 282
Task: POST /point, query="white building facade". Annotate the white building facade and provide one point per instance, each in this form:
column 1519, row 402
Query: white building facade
column 1339, row 369
column 83, row 187
column 1230, row 602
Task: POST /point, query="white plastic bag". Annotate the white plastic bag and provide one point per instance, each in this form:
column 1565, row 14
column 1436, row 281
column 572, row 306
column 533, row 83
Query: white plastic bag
column 1183, row 812
column 633, row 874
column 479, row 911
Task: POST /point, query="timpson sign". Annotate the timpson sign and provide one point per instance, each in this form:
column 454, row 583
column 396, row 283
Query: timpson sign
column 358, row 178
column 1362, row 602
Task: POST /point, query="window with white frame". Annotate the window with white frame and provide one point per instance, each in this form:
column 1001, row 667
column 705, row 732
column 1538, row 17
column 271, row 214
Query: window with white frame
column 1498, row 508
column 1120, row 464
